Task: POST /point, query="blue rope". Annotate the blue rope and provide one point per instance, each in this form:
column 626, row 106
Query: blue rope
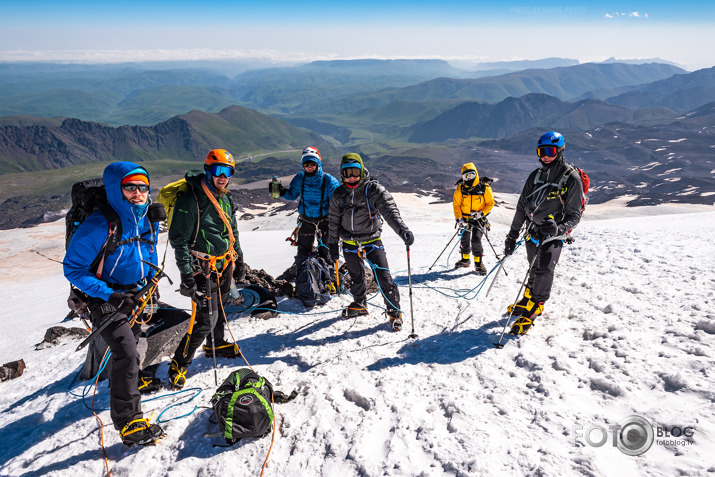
column 88, row 387
column 159, row 420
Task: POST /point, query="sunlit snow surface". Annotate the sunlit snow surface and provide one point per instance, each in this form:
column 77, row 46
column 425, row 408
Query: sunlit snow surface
column 628, row 330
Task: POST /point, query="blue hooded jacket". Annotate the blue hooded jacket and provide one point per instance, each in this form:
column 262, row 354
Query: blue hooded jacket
column 123, row 267
column 310, row 190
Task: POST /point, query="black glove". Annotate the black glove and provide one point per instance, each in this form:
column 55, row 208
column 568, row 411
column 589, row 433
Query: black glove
column 407, row 236
column 549, row 228
column 282, row 190
column 509, row 244
column 188, row 285
column 123, row 302
column 239, row 270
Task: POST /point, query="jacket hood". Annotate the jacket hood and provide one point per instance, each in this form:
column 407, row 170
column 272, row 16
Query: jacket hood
column 112, row 176
column 194, row 177
column 313, row 158
column 470, row 167
column 352, row 158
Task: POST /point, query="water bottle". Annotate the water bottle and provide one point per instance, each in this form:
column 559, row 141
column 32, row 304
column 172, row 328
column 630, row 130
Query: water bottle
column 234, row 291
column 236, row 296
column 275, row 188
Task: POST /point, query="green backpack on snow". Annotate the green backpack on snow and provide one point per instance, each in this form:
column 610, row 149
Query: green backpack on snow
column 242, row 406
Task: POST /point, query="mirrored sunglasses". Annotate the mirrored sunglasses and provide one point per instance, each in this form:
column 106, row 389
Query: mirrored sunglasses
column 133, row 187
column 309, row 164
column 351, row 172
column 547, row 151
column 218, row 171
column 469, row 175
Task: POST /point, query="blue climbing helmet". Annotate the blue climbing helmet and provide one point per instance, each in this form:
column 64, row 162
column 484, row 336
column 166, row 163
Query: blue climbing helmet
column 550, row 144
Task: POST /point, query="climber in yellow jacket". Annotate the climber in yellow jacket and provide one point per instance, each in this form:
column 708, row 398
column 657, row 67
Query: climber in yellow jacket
column 473, row 200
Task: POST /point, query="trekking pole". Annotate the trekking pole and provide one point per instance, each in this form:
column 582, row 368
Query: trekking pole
column 496, row 274
column 209, row 308
column 409, row 281
column 523, row 283
column 513, row 307
column 445, row 248
column 486, row 235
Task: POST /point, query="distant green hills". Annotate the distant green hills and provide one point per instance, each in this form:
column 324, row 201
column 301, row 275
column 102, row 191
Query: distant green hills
column 51, row 144
column 414, row 121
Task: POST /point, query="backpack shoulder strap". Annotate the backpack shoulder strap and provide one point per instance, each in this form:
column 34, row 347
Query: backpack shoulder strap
column 114, row 234
column 322, row 195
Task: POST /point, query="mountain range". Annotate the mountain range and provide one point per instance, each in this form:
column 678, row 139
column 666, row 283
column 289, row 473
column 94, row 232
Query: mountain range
column 414, row 133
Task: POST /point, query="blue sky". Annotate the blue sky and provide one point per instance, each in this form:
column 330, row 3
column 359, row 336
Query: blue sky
column 306, row 30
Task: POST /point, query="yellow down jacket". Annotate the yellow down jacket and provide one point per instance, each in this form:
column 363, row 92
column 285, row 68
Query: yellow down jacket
column 471, row 197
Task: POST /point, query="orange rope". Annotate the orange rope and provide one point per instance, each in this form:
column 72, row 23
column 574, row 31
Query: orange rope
column 273, row 437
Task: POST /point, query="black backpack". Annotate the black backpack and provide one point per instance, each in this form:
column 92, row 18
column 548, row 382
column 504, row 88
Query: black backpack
column 242, row 406
column 313, row 278
column 87, row 197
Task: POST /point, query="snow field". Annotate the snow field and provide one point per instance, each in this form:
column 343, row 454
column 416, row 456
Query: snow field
column 629, row 329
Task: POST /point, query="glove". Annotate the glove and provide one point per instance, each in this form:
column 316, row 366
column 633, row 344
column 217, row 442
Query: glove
column 239, row 270
column 484, row 223
column 282, row 190
column 123, row 302
column 188, row 286
column 334, row 251
column 509, row 244
column 549, row 228
column 459, row 222
column 407, row 236
column 155, row 296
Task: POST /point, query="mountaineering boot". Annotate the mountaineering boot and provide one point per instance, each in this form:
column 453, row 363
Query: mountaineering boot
column 354, row 310
column 395, row 319
column 527, row 318
column 223, row 349
column 479, row 266
column 177, row 375
column 521, row 304
column 464, row 262
column 148, row 384
column 140, row 432
column 521, row 325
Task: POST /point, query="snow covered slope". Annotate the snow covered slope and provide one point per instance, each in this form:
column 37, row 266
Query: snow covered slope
column 630, row 329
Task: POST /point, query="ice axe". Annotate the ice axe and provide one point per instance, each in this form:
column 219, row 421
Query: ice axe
column 137, row 296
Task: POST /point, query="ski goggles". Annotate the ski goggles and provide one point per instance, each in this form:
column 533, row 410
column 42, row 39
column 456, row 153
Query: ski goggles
column 469, row 176
column 134, row 187
column 217, row 171
column 547, row 151
column 351, row 172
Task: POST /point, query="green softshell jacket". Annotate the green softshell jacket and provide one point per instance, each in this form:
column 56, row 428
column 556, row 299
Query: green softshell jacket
column 212, row 237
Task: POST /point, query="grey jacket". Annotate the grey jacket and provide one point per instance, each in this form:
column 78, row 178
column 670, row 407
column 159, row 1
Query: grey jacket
column 356, row 214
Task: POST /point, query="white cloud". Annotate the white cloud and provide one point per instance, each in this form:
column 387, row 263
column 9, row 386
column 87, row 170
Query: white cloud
column 620, row 14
